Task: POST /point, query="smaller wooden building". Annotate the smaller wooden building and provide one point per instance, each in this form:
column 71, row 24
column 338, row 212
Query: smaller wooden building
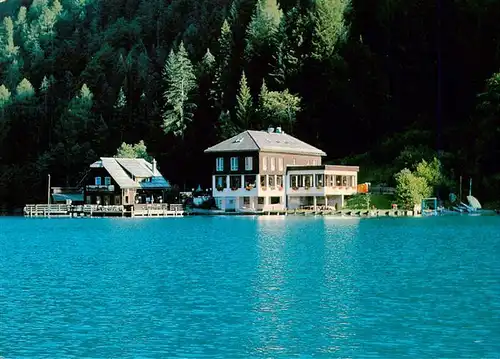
column 124, row 181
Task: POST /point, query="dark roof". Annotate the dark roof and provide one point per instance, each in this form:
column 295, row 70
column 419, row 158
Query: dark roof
column 266, row 142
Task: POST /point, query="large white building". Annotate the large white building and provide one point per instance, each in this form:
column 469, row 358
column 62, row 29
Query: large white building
column 271, row 170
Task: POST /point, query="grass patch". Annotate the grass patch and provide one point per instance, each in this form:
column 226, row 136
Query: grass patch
column 364, row 201
column 382, row 201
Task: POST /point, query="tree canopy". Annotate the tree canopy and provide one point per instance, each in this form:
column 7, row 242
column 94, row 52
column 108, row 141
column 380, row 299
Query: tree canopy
column 386, row 80
column 138, row 150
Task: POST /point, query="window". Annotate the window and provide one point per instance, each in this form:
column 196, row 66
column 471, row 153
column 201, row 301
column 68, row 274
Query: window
column 220, row 182
column 248, row 163
column 271, row 181
column 263, row 181
column 107, row 181
column 250, row 181
column 273, row 163
column 98, row 181
column 234, row 163
column 260, row 200
column 246, row 201
column 235, row 182
column 275, row 200
column 219, row 164
column 280, row 164
column 319, row 181
column 264, row 163
column 279, row 181
column 308, row 181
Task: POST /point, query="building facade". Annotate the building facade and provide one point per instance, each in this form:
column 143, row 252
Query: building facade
column 271, row 170
column 124, row 181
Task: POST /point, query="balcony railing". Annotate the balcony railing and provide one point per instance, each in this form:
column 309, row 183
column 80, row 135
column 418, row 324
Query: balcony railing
column 324, row 188
column 100, row 188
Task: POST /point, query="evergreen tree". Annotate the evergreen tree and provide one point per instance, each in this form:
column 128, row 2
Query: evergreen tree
column 44, row 86
column 12, row 75
column 221, row 80
column 48, row 18
column 225, row 126
column 24, row 90
column 330, row 27
column 4, row 96
column 289, row 55
column 262, row 28
column 207, row 65
column 4, row 101
column 8, row 49
column 244, row 104
column 37, row 7
column 21, row 20
column 180, row 82
column 261, row 41
column 121, row 101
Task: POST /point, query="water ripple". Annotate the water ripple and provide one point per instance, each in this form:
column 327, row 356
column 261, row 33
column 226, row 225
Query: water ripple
column 264, row 287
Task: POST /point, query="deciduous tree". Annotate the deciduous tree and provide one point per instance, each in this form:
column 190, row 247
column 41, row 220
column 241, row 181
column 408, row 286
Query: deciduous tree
column 138, row 150
column 411, row 189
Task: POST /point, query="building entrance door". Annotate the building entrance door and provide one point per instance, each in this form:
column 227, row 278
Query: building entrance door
column 230, row 204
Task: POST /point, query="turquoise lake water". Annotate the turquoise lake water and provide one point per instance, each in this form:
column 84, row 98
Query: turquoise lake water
column 245, row 287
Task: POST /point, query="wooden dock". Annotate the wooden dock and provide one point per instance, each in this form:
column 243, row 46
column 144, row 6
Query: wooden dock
column 91, row 210
column 307, row 212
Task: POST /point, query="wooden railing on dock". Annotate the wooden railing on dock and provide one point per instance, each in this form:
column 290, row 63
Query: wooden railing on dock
column 157, row 209
column 90, row 210
column 35, row 210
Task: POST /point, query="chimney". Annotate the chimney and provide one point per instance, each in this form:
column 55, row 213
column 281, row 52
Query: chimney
column 278, row 129
column 270, row 130
column 154, row 166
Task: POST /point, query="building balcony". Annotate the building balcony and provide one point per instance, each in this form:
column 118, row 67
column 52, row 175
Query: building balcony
column 321, row 191
column 236, row 192
column 100, row 188
column 271, row 191
column 256, row 191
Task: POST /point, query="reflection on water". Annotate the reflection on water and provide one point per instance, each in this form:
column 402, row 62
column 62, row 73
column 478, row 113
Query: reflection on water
column 269, row 286
column 250, row 287
column 297, row 270
column 339, row 300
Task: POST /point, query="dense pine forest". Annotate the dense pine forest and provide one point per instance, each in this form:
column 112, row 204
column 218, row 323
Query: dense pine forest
column 382, row 84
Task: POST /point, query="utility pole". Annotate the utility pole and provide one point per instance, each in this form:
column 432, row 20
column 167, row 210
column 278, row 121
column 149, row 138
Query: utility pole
column 48, row 197
column 460, row 192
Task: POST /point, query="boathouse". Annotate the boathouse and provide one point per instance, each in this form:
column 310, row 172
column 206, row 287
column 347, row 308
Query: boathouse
column 124, row 181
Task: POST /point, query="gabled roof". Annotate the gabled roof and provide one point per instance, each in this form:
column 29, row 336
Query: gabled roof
column 135, row 166
column 122, row 170
column 266, row 142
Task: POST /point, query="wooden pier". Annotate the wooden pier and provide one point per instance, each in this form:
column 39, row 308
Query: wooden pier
column 91, row 210
column 307, row 212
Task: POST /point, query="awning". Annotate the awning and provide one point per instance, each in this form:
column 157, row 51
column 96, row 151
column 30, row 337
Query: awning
column 63, row 197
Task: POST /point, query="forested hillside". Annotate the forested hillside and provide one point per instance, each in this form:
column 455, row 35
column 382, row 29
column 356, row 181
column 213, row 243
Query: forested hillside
column 381, row 83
